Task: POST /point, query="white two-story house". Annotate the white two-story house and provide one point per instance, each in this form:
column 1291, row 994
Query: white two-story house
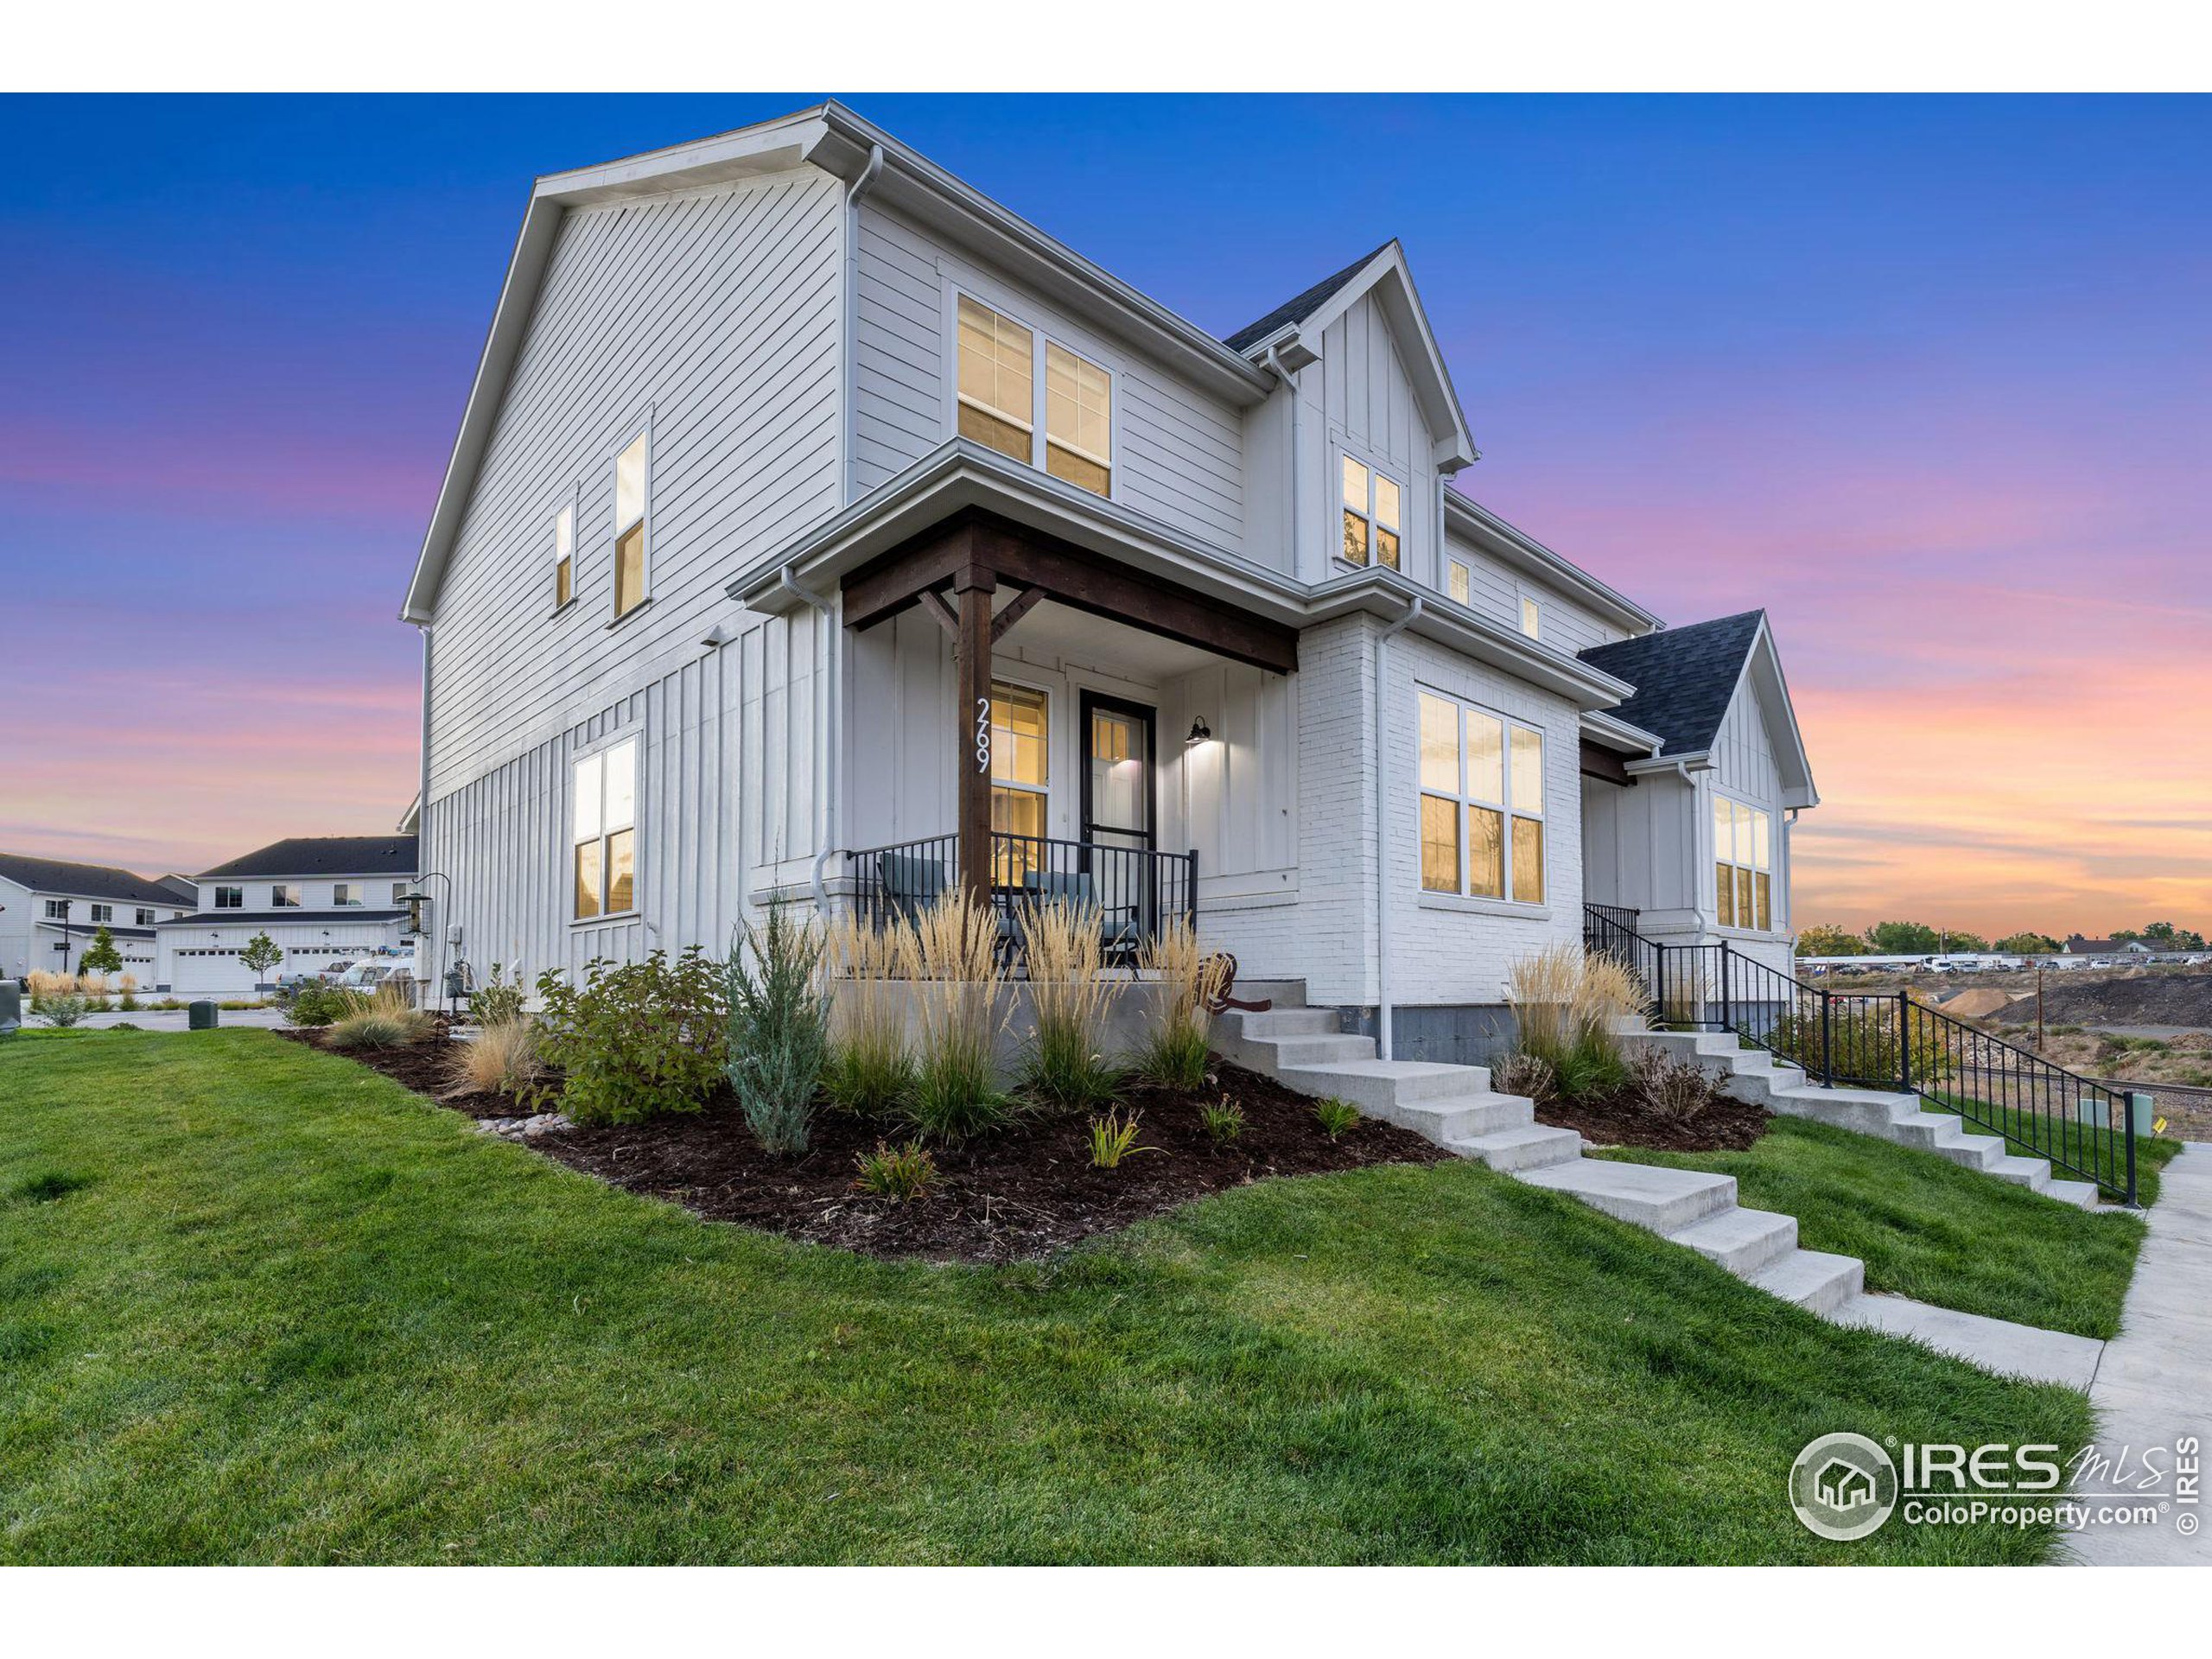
column 322, row 898
column 52, row 909
column 820, row 531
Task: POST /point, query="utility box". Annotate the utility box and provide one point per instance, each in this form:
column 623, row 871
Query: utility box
column 11, row 1006
column 2142, row 1113
column 200, row 1016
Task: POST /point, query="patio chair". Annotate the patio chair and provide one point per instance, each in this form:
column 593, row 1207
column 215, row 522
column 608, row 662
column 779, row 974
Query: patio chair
column 911, row 883
column 1119, row 937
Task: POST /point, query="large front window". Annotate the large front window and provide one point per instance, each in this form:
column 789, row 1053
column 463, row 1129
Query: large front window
column 1021, row 774
column 1482, row 803
column 604, row 840
column 999, row 375
column 1743, row 864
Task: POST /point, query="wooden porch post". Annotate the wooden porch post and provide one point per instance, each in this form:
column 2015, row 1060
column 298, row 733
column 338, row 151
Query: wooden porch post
column 972, row 652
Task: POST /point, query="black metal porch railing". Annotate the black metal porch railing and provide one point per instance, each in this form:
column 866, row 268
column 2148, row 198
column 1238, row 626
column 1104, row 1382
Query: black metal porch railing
column 1135, row 889
column 1881, row 1040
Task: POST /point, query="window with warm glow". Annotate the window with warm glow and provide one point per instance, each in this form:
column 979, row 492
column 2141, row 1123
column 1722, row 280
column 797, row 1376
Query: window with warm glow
column 564, row 556
column 630, row 485
column 998, row 371
column 1743, row 864
column 1078, row 421
column 1021, row 774
column 604, row 835
column 1456, row 581
column 1374, row 504
column 1482, row 803
column 1532, row 618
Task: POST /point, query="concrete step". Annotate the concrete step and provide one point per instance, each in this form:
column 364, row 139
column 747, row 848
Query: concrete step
column 1742, row 1241
column 1981, row 1152
column 1457, row 1118
column 1816, row 1282
column 1663, row 1200
column 1285, row 1022
column 2034, row 1173
column 1374, row 1085
column 1995, row 1346
column 2082, row 1195
column 1283, row 993
column 1316, row 1051
column 1531, row 1146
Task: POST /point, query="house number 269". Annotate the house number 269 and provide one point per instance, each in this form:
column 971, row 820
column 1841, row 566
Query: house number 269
column 983, row 735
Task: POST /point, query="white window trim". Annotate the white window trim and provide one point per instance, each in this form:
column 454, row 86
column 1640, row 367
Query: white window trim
column 1778, row 922
column 102, row 915
column 569, row 843
column 643, row 428
column 1525, row 601
column 294, row 887
column 1039, row 338
column 1341, row 452
column 1507, row 903
column 1464, row 570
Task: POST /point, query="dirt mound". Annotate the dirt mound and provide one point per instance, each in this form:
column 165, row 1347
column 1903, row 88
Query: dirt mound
column 2129, row 999
column 1978, row 1004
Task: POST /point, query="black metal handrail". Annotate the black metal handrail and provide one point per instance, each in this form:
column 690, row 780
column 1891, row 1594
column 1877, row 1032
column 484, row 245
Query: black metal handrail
column 1882, row 1040
column 1135, row 889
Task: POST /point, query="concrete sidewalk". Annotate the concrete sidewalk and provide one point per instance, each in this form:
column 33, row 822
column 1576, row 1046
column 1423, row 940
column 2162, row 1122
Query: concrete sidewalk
column 2154, row 1384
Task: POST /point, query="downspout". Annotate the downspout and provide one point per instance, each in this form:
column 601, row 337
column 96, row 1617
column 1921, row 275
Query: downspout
column 423, row 827
column 833, row 661
column 1273, row 361
column 849, row 432
column 1382, row 841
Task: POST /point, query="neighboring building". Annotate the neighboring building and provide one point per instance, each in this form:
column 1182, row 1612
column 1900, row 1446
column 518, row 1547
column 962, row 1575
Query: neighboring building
column 2076, row 945
column 51, row 909
column 809, row 503
column 323, row 899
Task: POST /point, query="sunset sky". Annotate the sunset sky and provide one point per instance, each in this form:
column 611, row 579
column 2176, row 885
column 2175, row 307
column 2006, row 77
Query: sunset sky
column 1931, row 380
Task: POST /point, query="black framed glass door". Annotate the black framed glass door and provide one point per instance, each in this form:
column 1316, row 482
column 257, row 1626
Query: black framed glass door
column 1119, row 805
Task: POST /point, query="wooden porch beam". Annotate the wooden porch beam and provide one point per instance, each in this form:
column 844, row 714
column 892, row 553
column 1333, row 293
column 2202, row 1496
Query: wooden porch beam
column 972, row 732
column 1022, row 604
column 933, row 603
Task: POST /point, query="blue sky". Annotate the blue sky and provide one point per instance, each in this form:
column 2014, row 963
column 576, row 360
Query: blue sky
column 1927, row 378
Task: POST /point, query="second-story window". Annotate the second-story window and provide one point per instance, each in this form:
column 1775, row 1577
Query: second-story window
column 230, row 898
column 1373, row 506
column 1532, row 618
column 630, row 484
column 999, row 373
column 564, row 556
column 57, row 910
column 1456, row 581
column 345, row 894
column 285, row 895
column 399, row 893
column 145, row 919
column 103, row 913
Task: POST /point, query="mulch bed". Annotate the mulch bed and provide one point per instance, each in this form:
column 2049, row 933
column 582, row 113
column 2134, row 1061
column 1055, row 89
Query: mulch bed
column 1622, row 1119
column 1024, row 1192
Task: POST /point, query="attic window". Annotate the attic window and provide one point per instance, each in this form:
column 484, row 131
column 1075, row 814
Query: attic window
column 564, row 557
column 1373, row 506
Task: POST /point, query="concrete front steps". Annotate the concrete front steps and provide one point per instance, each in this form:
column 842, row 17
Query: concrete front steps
column 1754, row 1075
column 1455, row 1107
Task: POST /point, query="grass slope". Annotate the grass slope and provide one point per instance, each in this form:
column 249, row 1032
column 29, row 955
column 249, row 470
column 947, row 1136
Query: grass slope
column 2034, row 1135
column 259, row 1305
column 1930, row 1229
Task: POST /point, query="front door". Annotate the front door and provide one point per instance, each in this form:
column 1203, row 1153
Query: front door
column 1120, row 798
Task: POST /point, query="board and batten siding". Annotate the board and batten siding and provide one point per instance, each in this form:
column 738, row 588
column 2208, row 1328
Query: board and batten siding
column 1178, row 452
column 1495, row 589
column 1744, row 765
column 713, row 316
column 727, row 812
column 1358, row 398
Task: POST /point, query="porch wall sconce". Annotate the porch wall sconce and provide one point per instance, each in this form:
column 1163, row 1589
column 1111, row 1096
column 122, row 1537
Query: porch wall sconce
column 1200, row 731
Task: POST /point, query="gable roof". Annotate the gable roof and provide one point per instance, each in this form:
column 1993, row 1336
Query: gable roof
column 832, row 137
column 1302, row 306
column 103, row 881
column 1685, row 678
column 182, row 885
column 324, row 856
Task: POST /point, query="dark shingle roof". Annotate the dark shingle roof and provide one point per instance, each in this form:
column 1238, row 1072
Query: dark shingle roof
column 83, row 880
column 1683, row 677
column 1305, row 305
column 325, row 856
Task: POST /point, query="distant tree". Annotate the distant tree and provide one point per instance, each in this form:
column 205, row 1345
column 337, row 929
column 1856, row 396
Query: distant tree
column 1901, row 939
column 2028, row 944
column 100, row 955
column 261, row 954
column 1825, row 940
column 2164, row 936
column 2123, row 935
column 1961, row 940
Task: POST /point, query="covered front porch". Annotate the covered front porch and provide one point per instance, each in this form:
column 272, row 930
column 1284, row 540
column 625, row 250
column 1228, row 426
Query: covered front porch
column 1027, row 720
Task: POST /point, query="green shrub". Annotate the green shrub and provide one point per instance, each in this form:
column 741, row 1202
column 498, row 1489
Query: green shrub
column 1337, row 1118
column 1113, row 1138
column 778, row 1029
column 1223, row 1120
column 61, row 1012
column 896, row 1172
column 125, row 1025
column 1564, row 1004
column 1063, row 950
column 1173, row 1054
column 497, row 1002
column 636, row 1038
column 129, row 1003
column 372, row 1028
column 314, row 1004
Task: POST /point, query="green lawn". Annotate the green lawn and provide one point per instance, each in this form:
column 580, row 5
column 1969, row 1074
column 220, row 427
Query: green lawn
column 258, row 1304
column 1928, row 1228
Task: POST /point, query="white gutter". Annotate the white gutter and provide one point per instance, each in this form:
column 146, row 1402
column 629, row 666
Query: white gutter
column 833, row 747
column 1273, row 361
column 848, row 431
column 1383, row 841
column 422, row 819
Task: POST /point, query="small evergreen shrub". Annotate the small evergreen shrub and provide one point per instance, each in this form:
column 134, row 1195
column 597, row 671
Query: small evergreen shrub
column 636, row 1038
column 127, row 1003
column 778, row 1029
column 370, row 1029
column 314, row 1004
column 1337, row 1118
column 61, row 1012
column 896, row 1172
